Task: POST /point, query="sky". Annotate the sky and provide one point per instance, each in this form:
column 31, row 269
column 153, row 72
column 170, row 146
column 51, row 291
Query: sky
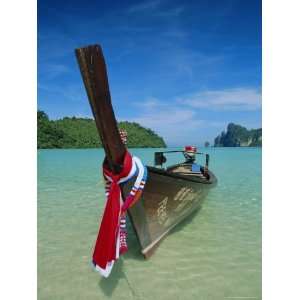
column 182, row 68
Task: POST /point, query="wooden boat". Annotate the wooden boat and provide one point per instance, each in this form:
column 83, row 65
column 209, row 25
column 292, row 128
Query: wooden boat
column 171, row 194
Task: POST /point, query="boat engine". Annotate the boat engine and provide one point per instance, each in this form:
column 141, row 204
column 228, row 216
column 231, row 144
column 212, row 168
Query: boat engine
column 190, row 153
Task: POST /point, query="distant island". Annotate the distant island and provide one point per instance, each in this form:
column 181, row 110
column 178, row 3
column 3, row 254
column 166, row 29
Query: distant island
column 82, row 133
column 239, row 136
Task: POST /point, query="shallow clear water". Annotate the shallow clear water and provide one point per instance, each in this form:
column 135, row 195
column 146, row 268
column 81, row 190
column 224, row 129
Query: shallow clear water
column 215, row 254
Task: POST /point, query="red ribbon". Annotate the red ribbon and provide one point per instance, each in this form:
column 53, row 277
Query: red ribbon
column 106, row 243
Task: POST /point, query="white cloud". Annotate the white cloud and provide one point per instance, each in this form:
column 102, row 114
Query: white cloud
column 238, row 99
column 150, row 103
column 154, row 112
column 166, row 117
column 54, row 70
column 66, row 92
column 182, row 120
column 171, row 121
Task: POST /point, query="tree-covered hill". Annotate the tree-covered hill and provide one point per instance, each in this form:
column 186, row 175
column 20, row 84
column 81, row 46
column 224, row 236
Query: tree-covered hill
column 239, row 136
column 82, row 133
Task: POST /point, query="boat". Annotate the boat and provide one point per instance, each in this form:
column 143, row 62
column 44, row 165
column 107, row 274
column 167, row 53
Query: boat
column 171, row 194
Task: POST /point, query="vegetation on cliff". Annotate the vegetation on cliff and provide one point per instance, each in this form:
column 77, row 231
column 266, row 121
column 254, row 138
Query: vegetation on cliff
column 239, row 136
column 82, row 133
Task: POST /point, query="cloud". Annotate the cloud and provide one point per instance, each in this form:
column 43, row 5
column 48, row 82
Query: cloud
column 181, row 119
column 150, row 103
column 66, row 92
column 173, row 124
column 53, row 70
column 171, row 121
column 167, row 117
column 237, row 99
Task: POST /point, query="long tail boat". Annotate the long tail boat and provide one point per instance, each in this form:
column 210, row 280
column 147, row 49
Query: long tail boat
column 171, row 194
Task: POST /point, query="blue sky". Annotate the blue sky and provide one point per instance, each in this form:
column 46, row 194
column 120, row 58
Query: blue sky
column 183, row 68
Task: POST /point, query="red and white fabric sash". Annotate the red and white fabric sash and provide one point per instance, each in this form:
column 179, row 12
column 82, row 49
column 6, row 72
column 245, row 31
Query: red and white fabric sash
column 111, row 240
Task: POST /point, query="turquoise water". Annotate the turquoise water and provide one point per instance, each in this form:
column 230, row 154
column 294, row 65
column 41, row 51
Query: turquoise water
column 216, row 254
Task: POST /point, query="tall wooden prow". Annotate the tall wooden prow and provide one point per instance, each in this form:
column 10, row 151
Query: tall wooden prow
column 94, row 75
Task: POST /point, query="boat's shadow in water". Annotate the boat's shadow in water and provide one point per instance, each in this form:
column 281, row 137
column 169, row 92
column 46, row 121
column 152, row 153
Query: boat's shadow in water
column 186, row 221
column 109, row 284
column 134, row 251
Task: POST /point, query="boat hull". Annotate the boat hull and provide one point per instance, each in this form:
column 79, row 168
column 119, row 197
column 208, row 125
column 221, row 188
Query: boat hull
column 170, row 195
column 167, row 199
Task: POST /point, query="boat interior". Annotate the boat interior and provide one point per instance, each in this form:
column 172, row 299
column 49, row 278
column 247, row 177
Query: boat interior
column 189, row 169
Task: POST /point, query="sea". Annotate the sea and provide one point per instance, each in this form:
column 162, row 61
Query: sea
column 214, row 254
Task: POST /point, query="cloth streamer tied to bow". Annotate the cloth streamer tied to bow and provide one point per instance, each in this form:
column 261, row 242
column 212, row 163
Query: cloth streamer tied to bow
column 111, row 240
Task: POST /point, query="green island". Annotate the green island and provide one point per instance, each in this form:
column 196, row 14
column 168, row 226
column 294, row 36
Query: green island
column 239, row 136
column 82, row 133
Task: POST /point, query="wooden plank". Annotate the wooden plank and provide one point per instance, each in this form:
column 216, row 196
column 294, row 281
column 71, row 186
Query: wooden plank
column 93, row 71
